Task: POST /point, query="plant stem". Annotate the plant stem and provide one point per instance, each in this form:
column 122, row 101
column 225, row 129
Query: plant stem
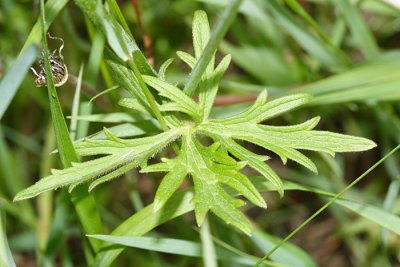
column 208, row 248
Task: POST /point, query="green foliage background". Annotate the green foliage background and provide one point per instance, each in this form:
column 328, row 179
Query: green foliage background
column 343, row 54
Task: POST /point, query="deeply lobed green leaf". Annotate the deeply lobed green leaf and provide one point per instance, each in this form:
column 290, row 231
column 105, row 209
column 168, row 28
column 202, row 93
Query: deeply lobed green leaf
column 216, row 168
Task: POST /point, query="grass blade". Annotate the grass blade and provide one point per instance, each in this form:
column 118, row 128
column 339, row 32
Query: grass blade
column 296, row 7
column 180, row 203
column 177, row 247
column 144, row 221
column 375, row 214
column 376, row 80
column 288, row 254
column 84, row 203
column 11, row 81
column 308, row 41
column 363, row 37
column 6, row 258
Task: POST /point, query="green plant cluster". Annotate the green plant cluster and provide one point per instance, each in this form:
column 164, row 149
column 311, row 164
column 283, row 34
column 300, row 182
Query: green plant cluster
column 211, row 167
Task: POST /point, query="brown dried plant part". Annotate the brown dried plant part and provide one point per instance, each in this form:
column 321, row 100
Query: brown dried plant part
column 59, row 70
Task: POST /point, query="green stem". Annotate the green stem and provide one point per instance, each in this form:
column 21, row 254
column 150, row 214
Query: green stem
column 326, row 206
column 220, row 29
column 45, row 200
column 208, row 248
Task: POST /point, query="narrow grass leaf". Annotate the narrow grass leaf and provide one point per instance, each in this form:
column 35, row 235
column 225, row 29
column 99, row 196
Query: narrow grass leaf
column 173, row 246
column 376, row 80
column 288, row 254
column 83, row 202
column 363, row 37
column 180, row 203
column 144, row 221
column 330, row 202
column 75, row 105
column 309, row 42
column 378, row 215
column 6, row 258
column 249, row 8
column 11, row 81
column 59, row 222
column 106, row 91
column 253, row 60
column 296, row 7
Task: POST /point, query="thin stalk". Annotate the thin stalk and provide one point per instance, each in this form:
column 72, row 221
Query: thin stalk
column 283, row 241
column 45, row 200
column 208, row 248
column 220, row 29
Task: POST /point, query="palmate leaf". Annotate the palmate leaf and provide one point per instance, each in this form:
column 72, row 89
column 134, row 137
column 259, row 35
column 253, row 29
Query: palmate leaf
column 216, row 168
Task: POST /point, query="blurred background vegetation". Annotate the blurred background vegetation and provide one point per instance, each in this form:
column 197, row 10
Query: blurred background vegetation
column 346, row 53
